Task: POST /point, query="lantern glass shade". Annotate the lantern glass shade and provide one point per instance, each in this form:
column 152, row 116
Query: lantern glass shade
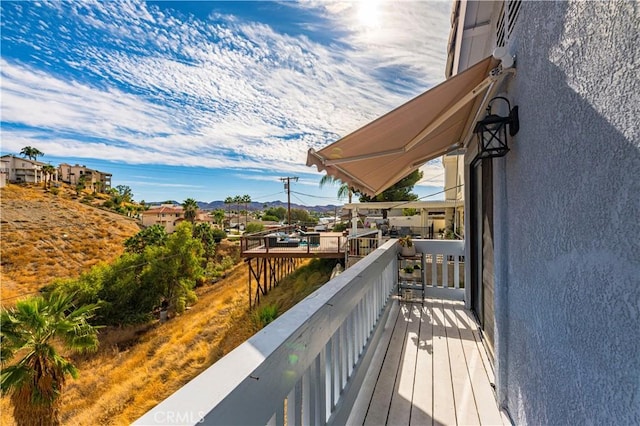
column 492, row 136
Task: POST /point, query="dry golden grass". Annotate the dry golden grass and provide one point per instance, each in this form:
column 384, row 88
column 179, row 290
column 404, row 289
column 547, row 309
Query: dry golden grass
column 46, row 236
column 136, row 368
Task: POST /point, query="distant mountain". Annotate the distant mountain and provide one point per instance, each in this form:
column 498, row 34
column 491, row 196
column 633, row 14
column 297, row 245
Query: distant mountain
column 253, row 206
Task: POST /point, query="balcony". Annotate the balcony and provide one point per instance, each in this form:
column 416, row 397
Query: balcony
column 353, row 353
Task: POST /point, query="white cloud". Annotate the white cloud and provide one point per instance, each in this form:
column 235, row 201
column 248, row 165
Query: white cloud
column 432, row 174
column 223, row 93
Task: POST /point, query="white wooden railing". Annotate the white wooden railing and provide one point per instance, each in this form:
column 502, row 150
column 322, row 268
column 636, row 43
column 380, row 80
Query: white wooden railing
column 444, row 264
column 361, row 245
column 305, row 367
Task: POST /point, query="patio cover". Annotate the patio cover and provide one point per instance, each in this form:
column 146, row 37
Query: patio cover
column 384, row 151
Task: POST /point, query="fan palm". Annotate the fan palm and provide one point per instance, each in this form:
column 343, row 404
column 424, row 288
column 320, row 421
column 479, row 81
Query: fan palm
column 237, row 200
column 343, row 191
column 190, row 207
column 246, row 199
column 48, row 171
column 31, row 152
column 33, row 330
column 228, row 201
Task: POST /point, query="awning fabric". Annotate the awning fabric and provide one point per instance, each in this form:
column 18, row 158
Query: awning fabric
column 384, row 151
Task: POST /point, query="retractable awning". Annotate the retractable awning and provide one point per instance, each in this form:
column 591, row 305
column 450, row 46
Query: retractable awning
column 384, row 151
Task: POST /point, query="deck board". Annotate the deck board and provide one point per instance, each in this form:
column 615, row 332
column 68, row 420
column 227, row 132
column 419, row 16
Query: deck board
column 465, row 404
column 433, row 369
column 400, row 410
column 383, row 392
column 444, row 410
column 422, row 407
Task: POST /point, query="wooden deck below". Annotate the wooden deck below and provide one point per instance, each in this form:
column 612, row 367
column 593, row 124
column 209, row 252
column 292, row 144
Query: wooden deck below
column 430, row 368
column 325, row 245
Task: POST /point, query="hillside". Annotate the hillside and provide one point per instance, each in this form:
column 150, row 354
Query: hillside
column 46, row 236
column 137, row 367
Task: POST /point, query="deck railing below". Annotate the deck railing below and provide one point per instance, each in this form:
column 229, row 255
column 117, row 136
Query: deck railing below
column 309, row 243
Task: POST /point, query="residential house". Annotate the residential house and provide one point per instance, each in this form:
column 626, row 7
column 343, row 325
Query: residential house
column 93, row 179
column 551, row 255
column 4, row 171
column 433, row 218
column 166, row 215
column 23, row 170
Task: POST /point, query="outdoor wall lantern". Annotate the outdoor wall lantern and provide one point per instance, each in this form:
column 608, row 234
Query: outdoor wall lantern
column 492, row 131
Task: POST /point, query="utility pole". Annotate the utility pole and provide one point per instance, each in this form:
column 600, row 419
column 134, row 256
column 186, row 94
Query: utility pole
column 287, row 187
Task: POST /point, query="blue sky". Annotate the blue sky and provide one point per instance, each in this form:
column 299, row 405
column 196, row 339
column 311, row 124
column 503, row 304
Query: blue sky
column 212, row 99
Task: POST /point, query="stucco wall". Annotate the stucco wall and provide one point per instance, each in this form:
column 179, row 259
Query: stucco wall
column 571, row 325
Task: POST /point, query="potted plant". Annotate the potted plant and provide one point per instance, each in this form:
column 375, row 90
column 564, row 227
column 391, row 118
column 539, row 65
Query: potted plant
column 417, row 272
column 406, row 272
column 406, row 246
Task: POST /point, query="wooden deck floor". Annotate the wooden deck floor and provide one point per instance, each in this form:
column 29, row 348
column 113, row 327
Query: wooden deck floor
column 430, row 368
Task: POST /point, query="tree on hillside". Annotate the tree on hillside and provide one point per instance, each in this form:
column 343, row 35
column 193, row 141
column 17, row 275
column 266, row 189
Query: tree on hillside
column 190, row 209
column 155, row 235
column 178, row 266
column 48, row 171
column 126, row 195
column 35, row 329
column 98, row 187
column 204, row 233
column 81, row 185
column 31, row 152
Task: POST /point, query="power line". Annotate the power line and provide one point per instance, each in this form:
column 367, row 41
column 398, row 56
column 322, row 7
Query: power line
column 313, row 196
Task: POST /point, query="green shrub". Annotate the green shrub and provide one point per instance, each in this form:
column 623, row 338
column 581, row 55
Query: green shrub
column 339, row 227
column 264, row 315
column 270, row 218
column 254, row 227
column 218, row 235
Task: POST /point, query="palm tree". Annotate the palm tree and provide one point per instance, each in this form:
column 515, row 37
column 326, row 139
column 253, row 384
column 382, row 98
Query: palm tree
column 228, row 201
column 81, row 185
column 31, row 152
column 237, row 200
column 33, row 330
column 246, row 199
column 343, row 191
column 48, row 171
column 190, row 207
column 218, row 216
